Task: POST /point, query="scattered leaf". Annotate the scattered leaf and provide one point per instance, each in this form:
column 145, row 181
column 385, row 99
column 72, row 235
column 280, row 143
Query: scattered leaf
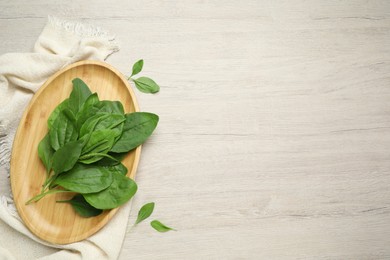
column 137, row 67
column 160, row 227
column 146, row 85
column 145, row 212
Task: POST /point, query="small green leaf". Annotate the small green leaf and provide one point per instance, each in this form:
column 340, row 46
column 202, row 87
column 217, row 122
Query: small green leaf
column 119, row 192
column 71, row 151
column 85, row 179
column 145, row 212
column 117, row 169
column 93, row 106
column 81, row 206
column 63, row 129
column 102, row 121
column 112, row 107
column 53, row 116
column 160, row 227
column 146, row 85
column 98, row 142
column 87, row 110
column 79, row 95
column 137, row 67
column 92, row 100
column 45, row 152
column 136, row 129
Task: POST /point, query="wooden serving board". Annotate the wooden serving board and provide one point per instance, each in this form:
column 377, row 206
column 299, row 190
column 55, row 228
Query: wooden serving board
column 51, row 221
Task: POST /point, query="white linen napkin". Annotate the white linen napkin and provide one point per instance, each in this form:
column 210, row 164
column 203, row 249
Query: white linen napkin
column 21, row 74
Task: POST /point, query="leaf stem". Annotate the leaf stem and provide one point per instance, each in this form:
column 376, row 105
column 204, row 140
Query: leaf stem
column 48, row 182
column 63, row 201
column 43, row 194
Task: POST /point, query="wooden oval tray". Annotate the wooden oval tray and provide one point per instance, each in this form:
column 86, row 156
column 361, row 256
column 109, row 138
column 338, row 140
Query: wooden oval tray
column 51, row 221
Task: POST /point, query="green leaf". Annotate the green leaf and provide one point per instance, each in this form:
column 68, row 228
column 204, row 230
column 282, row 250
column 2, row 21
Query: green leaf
column 79, row 95
column 137, row 67
column 103, row 121
column 106, row 161
column 85, row 179
column 113, row 121
column 160, row 227
column 145, row 212
column 81, row 206
column 119, row 192
column 112, row 107
column 45, row 152
column 92, row 100
column 66, row 157
column 146, row 85
column 87, row 110
column 98, row 142
column 63, row 129
column 117, row 169
column 53, row 116
column 136, row 129
column 90, row 123
column 97, row 107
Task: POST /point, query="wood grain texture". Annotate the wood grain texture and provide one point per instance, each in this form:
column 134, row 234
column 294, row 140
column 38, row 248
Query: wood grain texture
column 58, row 222
column 274, row 132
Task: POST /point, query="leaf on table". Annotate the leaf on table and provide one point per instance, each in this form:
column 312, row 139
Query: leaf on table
column 137, row 67
column 146, row 85
column 145, row 212
column 160, row 227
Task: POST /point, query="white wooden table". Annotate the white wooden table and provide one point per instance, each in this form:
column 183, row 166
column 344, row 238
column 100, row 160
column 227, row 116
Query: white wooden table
column 274, row 140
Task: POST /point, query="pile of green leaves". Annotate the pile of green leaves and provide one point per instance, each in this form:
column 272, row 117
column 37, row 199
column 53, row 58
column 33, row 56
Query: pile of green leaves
column 83, row 148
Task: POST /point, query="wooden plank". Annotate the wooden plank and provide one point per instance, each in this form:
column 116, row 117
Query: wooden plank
column 274, row 137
